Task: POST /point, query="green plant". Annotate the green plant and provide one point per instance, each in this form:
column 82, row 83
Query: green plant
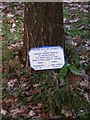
column 7, row 54
column 72, row 68
column 57, row 93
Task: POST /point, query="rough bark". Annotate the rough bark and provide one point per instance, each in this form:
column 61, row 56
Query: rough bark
column 43, row 25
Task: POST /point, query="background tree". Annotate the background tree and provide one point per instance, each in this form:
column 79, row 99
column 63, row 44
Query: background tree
column 43, row 25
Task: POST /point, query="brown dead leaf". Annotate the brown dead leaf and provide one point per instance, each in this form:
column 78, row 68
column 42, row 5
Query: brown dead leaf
column 24, row 85
column 13, row 45
column 9, row 102
column 1, row 21
column 13, row 25
column 22, row 65
column 43, row 115
column 12, row 30
column 31, row 113
column 0, row 70
column 67, row 112
column 4, row 38
column 10, row 20
column 74, row 80
column 13, row 81
column 3, row 112
column 34, row 91
column 39, row 105
column 17, row 112
column 10, row 15
column 36, row 85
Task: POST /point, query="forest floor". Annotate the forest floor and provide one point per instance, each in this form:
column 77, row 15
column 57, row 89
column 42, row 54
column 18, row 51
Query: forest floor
column 19, row 88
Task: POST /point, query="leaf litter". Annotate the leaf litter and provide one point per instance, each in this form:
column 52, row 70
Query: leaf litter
column 18, row 102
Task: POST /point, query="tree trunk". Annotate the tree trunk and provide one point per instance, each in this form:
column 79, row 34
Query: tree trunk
column 43, row 25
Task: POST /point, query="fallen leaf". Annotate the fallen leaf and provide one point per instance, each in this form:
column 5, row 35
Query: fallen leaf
column 22, row 65
column 17, row 112
column 68, row 1
column 10, row 20
column 14, row 111
column 17, row 21
column 1, row 21
column 31, row 113
column 13, row 45
column 43, row 115
column 66, row 112
column 9, row 15
column 13, row 25
column 74, row 20
column 14, row 80
column 24, row 85
column 39, row 105
column 3, row 112
column 64, row 20
column 82, row 27
column 34, row 91
column 36, row 85
column 9, row 102
column 12, row 30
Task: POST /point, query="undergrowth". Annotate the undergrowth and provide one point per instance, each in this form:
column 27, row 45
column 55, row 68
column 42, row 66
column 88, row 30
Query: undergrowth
column 58, row 92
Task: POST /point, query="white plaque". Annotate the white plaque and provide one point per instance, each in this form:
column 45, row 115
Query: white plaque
column 48, row 57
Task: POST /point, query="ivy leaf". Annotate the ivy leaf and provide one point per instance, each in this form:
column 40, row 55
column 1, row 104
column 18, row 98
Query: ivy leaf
column 63, row 71
column 74, row 70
